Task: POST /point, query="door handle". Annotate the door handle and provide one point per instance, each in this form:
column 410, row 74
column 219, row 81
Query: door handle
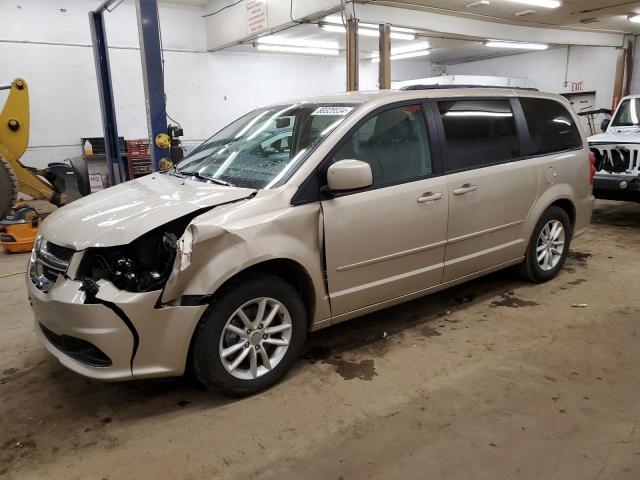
column 466, row 188
column 430, row 197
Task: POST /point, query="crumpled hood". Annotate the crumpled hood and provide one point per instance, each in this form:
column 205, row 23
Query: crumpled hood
column 120, row 214
column 623, row 136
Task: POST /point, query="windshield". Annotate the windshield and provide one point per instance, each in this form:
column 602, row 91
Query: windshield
column 265, row 147
column 628, row 114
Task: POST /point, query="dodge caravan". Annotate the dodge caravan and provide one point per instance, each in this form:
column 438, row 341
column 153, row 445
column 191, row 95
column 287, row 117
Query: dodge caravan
column 301, row 215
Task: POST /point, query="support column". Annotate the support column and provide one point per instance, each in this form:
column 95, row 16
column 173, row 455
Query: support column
column 628, row 70
column 618, row 83
column 353, row 61
column 384, row 67
column 105, row 91
column 153, row 75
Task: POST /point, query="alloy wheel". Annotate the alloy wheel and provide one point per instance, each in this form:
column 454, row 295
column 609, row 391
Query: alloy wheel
column 255, row 338
column 550, row 245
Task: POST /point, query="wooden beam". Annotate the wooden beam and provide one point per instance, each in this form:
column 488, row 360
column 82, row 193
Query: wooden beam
column 618, row 83
column 353, row 61
column 384, row 47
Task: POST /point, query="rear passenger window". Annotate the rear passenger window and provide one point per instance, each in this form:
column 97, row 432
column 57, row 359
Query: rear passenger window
column 478, row 133
column 394, row 143
column 551, row 126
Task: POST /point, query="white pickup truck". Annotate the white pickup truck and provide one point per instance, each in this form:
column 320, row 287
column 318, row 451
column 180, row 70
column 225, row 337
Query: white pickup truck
column 617, row 152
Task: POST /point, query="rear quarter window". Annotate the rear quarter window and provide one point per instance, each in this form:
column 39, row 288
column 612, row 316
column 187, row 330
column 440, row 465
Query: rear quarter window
column 479, row 132
column 551, row 126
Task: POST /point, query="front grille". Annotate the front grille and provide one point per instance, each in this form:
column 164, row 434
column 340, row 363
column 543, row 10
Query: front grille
column 617, row 158
column 61, row 253
column 78, row 349
column 51, row 261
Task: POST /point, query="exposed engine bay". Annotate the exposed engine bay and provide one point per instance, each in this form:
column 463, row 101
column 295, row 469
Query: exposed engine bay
column 144, row 265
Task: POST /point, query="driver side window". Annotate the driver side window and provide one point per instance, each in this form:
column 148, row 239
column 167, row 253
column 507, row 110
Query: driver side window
column 394, row 143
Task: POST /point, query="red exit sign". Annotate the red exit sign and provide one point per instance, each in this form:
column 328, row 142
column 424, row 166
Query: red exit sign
column 577, row 86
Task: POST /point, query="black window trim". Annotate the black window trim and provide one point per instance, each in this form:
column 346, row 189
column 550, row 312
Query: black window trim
column 310, row 189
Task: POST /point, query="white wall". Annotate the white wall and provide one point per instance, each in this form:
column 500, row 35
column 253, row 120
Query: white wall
column 204, row 90
column 546, row 70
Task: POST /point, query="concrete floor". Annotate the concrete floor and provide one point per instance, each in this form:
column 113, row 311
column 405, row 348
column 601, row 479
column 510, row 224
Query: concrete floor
column 496, row 379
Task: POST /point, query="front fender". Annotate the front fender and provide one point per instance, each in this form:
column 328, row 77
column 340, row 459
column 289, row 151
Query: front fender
column 220, row 252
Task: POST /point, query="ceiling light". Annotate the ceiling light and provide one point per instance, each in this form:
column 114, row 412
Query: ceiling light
column 370, row 30
column 478, row 3
column 477, row 113
column 401, row 56
column 297, row 42
column 524, row 13
column 635, row 18
column 413, row 47
column 293, row 49
column 540, row 3
column 516, row 45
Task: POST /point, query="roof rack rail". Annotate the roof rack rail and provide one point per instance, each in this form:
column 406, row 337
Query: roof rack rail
column 440, row 87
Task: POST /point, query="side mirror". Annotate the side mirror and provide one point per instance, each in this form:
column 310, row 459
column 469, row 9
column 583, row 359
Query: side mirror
column 605, row 124
column 345, row 175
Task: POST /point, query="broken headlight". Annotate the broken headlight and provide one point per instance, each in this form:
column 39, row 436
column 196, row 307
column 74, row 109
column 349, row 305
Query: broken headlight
column 144, row 265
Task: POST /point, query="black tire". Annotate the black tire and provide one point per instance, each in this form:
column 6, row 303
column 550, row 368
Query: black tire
column 8, row 188
column 530, row 269
column 205, row 358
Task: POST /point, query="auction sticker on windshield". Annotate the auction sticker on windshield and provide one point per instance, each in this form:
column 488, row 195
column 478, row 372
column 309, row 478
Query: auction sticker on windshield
column 337, row 111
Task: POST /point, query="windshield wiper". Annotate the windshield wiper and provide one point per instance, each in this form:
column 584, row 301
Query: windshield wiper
column 209, row 178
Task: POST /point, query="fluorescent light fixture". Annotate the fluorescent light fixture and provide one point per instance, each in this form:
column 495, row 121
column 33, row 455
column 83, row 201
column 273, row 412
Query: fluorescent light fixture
column 635, row 18
column 540, row 3
column 419, row 49
column 477, row 113
column 478, row 3
column 401, row 56
column 292, row 49
column 516, row 45
column 367, row 30
column 297, row 42
column 524, row 13
column 413, row 47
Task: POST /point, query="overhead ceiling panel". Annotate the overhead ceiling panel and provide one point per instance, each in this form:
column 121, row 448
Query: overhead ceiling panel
column 610, row 15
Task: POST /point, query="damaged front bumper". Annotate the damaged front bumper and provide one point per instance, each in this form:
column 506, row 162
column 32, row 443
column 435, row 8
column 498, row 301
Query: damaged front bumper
column 117, row 335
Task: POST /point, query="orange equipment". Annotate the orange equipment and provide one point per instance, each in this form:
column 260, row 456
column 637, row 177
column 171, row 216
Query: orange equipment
column 19, row 229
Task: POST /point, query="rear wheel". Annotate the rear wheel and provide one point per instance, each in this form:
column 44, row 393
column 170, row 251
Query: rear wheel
column 548, row 246
column 251, row 336
column 8, row 188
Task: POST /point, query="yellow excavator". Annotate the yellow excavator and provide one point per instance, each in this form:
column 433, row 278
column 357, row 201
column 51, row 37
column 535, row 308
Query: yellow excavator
column 59, row 183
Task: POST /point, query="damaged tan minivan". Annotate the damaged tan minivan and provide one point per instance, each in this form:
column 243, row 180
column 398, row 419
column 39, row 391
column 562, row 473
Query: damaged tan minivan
column 302, row 215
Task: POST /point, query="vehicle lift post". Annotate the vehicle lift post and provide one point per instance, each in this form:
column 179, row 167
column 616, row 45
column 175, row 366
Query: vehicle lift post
column 153, row 76
column 153, row 79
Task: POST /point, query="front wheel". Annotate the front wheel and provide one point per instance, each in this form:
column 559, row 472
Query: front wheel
column 251, row 336
column 548, row 246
